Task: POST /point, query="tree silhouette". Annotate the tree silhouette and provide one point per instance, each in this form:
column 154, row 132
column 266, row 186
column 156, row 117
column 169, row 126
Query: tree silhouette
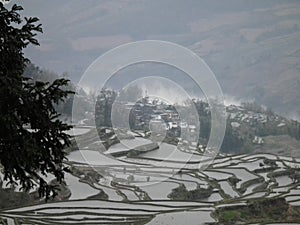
column 28, row 155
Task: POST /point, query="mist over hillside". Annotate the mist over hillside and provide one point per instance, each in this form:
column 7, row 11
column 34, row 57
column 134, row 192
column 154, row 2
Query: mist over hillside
column 251, row 46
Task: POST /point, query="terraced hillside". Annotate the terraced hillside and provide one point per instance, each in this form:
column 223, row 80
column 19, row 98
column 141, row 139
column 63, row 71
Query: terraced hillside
column 163, row 186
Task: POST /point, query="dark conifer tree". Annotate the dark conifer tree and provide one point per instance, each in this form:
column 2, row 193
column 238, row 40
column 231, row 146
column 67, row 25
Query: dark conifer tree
column 26, row 155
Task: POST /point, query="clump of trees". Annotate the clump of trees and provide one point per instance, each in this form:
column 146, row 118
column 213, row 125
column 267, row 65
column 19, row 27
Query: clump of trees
column 104, row 102
column 181, row 193
column 295, row 175
column 27, row 155
column 270, row 162
column 258, row 211
column 233, row 180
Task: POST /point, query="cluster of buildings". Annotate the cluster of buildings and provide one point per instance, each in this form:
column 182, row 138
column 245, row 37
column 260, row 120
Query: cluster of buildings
column 242, row 118
column 239, row 114
column 159, row 115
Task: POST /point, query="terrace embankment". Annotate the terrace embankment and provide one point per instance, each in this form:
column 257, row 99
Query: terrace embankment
column 137, row 150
